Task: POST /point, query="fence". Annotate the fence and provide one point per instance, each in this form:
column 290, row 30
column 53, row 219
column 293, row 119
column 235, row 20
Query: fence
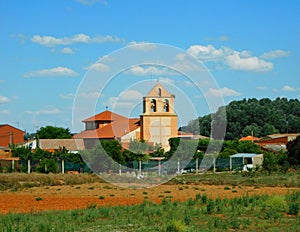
column 150, row 166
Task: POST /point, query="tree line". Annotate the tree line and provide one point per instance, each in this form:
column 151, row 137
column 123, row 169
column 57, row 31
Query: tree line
column 250, row 116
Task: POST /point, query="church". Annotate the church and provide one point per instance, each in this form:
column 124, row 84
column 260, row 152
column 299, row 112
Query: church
column 157, row 123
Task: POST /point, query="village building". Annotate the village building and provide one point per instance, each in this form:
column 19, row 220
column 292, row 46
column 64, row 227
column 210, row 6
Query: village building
column 10, row 135
column 157, row 123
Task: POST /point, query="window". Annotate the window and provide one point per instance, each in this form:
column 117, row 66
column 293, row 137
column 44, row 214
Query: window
column 159, row 92
column 166, row 105
column 153, row 105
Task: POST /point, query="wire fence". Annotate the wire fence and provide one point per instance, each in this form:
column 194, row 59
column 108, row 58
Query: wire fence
column 160, row 167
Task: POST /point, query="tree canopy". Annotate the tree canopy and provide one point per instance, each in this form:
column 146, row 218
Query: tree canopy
column 247, row 116
column 52, row 132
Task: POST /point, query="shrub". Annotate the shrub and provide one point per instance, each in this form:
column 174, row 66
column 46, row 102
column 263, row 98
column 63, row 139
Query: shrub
column 175, row 226
column 293, row 208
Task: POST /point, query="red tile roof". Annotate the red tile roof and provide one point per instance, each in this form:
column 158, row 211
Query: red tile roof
column 105, row 116
column 117, row 129
column 249, row 138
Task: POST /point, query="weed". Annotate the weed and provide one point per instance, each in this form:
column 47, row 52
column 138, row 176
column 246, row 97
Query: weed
column 38, row 199
column 91, row 188
column 111, row 195
column 145, row 193
column 102, row 197
column 167, row 191
column 227, row 188
column 175, row 226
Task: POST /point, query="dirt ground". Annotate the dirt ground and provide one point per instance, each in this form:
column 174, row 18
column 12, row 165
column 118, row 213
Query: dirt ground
column 82, row 196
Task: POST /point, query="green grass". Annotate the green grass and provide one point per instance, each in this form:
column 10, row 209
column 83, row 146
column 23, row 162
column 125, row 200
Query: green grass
column 257, row 179
column 247, row 213
column 19, row 181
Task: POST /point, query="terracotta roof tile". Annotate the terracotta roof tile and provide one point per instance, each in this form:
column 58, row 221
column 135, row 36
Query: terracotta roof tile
column 115, row 129
column 105, row 116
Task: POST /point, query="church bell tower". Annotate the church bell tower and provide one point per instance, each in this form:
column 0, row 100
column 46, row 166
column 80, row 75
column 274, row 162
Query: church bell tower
column 159, row 121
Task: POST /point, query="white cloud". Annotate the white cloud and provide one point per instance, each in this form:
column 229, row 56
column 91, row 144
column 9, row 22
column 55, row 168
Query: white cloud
column 275, row 54
column 91, row 2
column 288, row 88
column 142, row 46
column 4, row 99
column 237, row 62
column 99, row 67
column 67, row 96
column 261, row 88
column 150, row 71
column 21, row 37
column 67, row 51
column 4, row 112
column 52, row 72
column 226, row 92
column 208, row 52
column 220, row 38
column 166, row 80
column 90, row 95
column 51, row 41
column 46, row 110
column 130, row 95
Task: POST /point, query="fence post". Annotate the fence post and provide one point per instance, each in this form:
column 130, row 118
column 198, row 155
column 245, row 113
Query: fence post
column 13, row 165
column 63, row 166
column 28, row 166
column 230, row 164
column 178, row 166
column 140, row 167
column 197, row 165
column 214, row 165
column 120, row 171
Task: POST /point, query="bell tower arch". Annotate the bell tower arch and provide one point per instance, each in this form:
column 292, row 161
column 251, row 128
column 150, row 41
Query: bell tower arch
column 159, row 121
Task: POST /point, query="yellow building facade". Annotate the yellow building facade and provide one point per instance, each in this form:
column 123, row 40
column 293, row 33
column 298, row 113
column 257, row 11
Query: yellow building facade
column 159, row 121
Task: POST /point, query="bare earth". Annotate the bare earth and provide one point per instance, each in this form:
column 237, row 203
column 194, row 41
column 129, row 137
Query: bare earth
column 82, row 196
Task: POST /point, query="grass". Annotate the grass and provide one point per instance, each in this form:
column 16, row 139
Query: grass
column 19, row 181
column 247, row 213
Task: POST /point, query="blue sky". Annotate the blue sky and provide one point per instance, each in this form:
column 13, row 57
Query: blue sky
column 251, row 49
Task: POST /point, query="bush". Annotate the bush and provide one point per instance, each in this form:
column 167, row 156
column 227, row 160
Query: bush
column 175, row 226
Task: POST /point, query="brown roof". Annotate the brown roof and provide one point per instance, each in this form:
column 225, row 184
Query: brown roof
column 115, row 129
column 69, row 144
column 105, row 116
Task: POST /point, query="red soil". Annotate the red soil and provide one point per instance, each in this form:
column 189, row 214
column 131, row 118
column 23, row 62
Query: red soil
column 82, row 196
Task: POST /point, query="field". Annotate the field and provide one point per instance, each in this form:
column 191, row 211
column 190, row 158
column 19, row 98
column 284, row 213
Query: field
column 211, row 202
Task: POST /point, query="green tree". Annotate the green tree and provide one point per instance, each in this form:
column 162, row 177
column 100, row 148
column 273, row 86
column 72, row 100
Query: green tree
column 293, row 148
column 52, row 132
column 270, row 162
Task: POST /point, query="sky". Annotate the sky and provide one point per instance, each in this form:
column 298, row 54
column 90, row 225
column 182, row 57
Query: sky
column 49, row 49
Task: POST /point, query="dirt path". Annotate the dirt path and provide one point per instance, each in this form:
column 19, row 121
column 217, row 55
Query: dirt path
column 82, row 196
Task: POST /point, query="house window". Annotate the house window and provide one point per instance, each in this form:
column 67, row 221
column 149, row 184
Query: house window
column 153, row 105
column 159, row 92
column 166, row 105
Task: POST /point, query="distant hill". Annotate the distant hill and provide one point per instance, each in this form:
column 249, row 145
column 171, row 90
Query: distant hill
column 262, row 117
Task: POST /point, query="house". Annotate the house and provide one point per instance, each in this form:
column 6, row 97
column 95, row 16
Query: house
column 157, row 123
column 249, row 160
column 109, row 125
column 278, row 139
column 10, row 135
column 276, row 142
